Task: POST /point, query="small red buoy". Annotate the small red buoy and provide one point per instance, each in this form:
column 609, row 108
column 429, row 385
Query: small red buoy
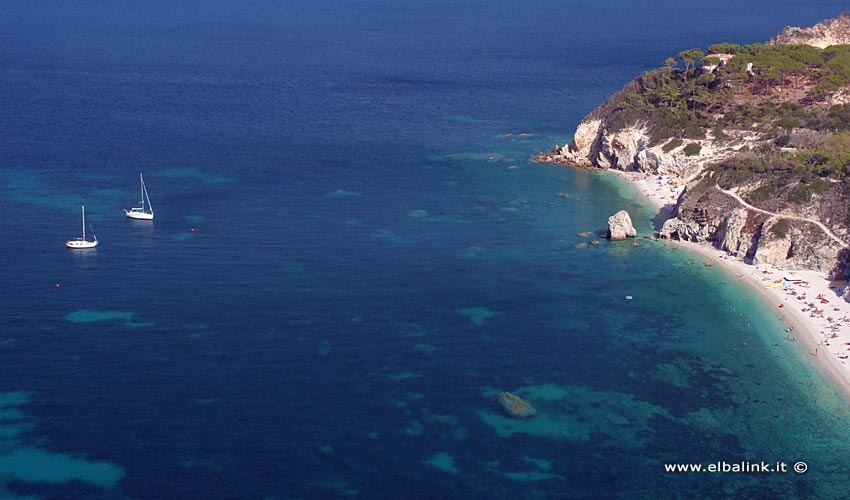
column 192, row 230
column 57, row 285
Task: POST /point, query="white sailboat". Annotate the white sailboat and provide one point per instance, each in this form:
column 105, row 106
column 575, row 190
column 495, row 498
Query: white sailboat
column 141, row 212
column 81, row 243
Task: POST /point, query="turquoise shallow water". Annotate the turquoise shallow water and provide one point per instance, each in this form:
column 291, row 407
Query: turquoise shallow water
column 373, row 258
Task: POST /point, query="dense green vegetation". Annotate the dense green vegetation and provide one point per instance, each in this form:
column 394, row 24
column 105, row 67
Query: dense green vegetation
column 684, row 100
column 781, row 94
column 815, row 159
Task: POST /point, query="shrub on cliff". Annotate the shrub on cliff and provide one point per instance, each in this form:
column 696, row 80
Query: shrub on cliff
column 673, row 144
column 692, row 149
column 780, row 228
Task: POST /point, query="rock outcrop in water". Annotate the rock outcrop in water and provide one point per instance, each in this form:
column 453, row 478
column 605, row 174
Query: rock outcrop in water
column 515, row 406
column 620, row 226
column 761, row 142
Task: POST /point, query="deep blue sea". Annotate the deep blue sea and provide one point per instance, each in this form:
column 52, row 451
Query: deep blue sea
column 353, row 253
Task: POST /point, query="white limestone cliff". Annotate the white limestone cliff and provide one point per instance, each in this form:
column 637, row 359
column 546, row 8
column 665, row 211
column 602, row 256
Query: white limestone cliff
column 630, row 149
column 834, row 31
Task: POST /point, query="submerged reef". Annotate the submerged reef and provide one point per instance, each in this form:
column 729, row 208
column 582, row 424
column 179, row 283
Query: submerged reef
column 515, row 406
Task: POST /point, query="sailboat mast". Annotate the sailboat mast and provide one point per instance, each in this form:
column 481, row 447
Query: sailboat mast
column 84, row 222
column 142, row 191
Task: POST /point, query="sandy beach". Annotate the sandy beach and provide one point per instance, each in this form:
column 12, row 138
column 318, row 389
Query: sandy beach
column 812, row 305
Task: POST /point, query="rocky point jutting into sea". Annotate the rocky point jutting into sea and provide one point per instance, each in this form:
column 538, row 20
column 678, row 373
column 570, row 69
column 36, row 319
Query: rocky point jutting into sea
column 760, row 136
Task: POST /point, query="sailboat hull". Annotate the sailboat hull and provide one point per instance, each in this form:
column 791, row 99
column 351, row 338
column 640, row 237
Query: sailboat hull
column 79, row 245
column 134, row 214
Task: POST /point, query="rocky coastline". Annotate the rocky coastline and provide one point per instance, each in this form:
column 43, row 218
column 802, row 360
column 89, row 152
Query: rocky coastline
column 811, row 235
